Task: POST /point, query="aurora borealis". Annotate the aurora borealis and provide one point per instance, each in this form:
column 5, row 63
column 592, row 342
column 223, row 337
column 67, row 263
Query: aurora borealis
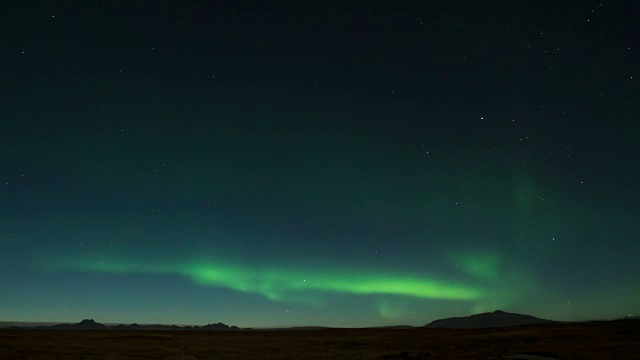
column 275, row 283
column 306, row 164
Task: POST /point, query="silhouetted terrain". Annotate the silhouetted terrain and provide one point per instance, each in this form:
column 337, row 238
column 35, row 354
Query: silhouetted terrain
column 86, row 324
column 90, row 324
column 487, row 320
column 617, row 340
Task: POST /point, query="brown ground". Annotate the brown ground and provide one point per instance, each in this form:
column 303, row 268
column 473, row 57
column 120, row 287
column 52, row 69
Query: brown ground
column 610, row 340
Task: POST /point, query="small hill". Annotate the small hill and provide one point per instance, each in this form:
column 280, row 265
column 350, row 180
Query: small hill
column 86, row 324
column 497, row 318
column 218, row 326
column 90, row 324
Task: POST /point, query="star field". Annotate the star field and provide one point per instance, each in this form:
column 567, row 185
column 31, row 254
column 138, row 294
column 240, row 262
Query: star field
column 309, row 164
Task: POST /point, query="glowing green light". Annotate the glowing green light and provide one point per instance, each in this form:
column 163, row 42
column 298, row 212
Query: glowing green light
column 480, row 265
column 278, row 283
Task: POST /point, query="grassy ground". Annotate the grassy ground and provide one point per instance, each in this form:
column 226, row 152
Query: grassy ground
column 607, row 340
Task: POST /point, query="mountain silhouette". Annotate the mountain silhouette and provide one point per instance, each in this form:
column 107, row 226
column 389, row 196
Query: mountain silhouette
column 218, row 326
column 90, row 324
column 497, row 318
column 86, row 324
column 631, row 317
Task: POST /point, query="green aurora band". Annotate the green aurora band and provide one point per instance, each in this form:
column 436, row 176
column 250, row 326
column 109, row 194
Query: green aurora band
column 279, row 284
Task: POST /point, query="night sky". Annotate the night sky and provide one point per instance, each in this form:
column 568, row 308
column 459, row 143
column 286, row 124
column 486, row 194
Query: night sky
column 354, row 164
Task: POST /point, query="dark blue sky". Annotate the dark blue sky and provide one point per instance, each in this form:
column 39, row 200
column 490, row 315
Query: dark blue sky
column 350, row 165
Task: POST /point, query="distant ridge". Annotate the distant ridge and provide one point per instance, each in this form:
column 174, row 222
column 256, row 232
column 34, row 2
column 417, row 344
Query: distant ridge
column 90, row 324
column 497, row 318
column 86, row 324
column 218, row 326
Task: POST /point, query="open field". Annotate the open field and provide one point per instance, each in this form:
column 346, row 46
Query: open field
column 601, row 340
